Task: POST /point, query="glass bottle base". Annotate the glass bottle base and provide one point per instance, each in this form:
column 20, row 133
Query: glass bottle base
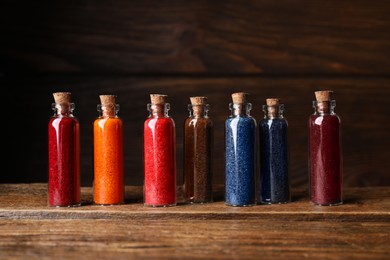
column 271, row 203
column 327, row 204
column 109, row 204
column 159, row 205
column 240, row 205
column 66, row 206
column 198, row 202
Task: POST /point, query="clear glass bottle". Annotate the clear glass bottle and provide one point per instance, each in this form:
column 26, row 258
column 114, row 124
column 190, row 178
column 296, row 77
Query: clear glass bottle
column 159, row 154
column 63, row 153
column 108, row 184
column 274, row 155
column 198, row 139
column 325, row 152
column 240, row 153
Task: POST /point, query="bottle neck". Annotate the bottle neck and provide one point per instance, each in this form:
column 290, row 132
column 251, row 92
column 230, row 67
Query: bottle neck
column 240, row 109
column 324, row 107
column 198, row 111
column 158, row 110
column 63, row 109
column 271, row 112
column 108, row 111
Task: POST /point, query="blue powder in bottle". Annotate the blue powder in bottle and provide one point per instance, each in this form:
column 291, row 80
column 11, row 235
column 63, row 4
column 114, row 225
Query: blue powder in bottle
column 274, row 155
column 240, row 155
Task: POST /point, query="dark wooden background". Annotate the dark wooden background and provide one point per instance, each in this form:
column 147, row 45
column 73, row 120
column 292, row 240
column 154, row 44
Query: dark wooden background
column 286, row 49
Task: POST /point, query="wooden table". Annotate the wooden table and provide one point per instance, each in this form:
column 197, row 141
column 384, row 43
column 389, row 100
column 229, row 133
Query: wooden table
column 29, row 229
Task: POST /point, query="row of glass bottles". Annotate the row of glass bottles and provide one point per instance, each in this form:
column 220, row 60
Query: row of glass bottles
column 64, row 153
column 160, row 153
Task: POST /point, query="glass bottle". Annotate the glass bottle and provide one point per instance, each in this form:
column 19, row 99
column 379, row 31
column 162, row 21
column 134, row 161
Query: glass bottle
column 198, row 140
column 274, row 155
column 240, row 153
column 325, row 151
column 108, row 185
column 159, row 154
column 63, row 153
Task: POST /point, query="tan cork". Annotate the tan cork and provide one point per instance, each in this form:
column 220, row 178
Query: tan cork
column 198, row 100
column 108, row 100
column 240, row 98
column 158, row 99
column 272, row 101
column 62, row 97
column 323, row 95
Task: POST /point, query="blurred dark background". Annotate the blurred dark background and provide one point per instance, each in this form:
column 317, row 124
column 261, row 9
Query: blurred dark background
column 286, row 49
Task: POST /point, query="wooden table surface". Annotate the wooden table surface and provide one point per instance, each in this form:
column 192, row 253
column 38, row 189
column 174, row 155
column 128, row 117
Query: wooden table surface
column 29, row 229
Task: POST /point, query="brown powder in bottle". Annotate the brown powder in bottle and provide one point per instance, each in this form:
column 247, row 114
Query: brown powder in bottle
column 197, row 153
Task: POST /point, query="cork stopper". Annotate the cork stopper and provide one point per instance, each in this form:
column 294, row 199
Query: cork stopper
column 196, row 101
column 240, row 98
column 272, row 101
column 108, row 100
column 158, row 99
column 323, row 95
column 62, row 97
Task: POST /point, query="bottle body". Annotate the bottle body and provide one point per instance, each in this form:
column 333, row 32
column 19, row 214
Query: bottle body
column 274, row 160
column 159, row 160
column 240, row 160
column 64, row 160
column 198, row 139
column 325, row 159
column 108, row 184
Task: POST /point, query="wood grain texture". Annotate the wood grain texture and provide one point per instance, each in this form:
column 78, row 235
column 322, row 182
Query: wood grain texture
column 361, row 103
column 199, row 37
column 194, row 239
column 30, row 201
column 358, row 229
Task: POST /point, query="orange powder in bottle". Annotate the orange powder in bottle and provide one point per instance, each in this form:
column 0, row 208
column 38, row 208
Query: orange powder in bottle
column 108, row 184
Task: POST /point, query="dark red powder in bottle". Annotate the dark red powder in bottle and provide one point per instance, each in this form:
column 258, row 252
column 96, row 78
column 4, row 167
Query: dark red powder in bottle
column 64, row 154
column 159, row 155
column 325, row 152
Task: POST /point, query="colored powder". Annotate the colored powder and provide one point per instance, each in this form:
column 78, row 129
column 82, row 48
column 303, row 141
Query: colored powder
column 159, row 162
column 275, row 183
column 197, row 160
column 240, row 137
column 108, row 183
column 64, row 161
column 325, row 159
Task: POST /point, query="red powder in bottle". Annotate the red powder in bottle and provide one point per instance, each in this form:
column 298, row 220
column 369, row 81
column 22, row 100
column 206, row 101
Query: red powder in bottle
column 64, row 163
column 159, row 154
column 325, row 158
column 159, row 162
